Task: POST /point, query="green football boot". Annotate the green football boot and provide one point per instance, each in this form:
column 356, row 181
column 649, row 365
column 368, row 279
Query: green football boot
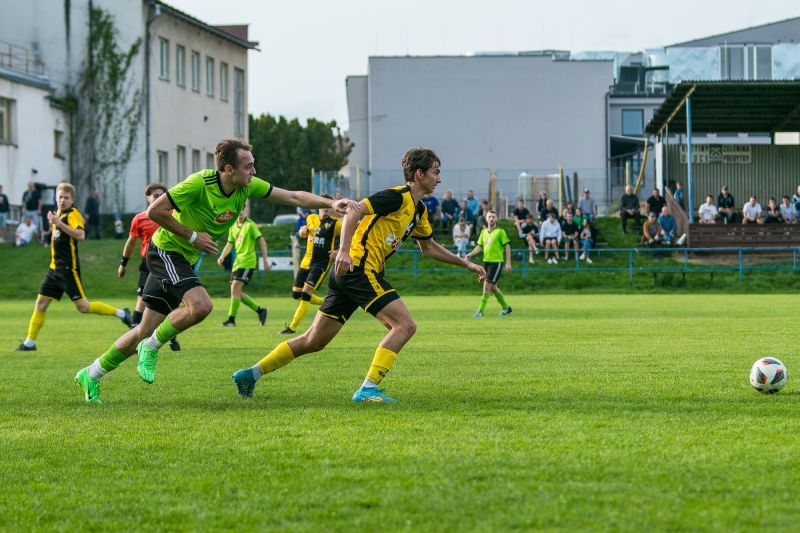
column 91, row 387
column 148, row 361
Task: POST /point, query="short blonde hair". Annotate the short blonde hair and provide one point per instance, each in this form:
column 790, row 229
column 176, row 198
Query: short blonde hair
column 64, row 186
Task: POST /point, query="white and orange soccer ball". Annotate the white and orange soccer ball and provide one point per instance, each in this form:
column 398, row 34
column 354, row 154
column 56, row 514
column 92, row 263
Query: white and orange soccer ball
column 768, row 375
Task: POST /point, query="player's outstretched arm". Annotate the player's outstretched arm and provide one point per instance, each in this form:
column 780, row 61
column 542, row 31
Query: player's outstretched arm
column 436, row 251
column 160, row 212
column 474, row 251
column 310, row 200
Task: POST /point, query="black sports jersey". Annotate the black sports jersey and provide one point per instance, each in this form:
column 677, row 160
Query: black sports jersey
column 63, row 248
column 325, row 239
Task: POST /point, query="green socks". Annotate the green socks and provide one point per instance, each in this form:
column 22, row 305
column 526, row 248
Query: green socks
column 501, row 298
column 166, row 331
column 484, row 300
column 249, row 302
column 234, row 307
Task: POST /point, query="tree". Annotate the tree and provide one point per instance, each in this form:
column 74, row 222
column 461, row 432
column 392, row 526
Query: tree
column 285, row 152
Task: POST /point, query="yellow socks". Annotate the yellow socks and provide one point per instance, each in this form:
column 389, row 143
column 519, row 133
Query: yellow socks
column 280, row 356
column 299, row 313
column 316, row 300
column 99, row 308
column 36, row 323
column 381, row 363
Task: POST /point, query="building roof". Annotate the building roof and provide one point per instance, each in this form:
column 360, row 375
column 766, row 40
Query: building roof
column 26, row 78
column 730, row 107
column 733, row 32
column 236, row 34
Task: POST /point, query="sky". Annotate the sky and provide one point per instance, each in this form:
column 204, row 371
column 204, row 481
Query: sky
column 309, row 47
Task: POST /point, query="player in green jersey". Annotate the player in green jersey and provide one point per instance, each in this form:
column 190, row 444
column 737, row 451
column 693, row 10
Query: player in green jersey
column 493, row 241
column 243, row 236
column 193, row 215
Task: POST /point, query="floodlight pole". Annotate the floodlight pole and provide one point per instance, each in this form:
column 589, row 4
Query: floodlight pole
column 690, row 206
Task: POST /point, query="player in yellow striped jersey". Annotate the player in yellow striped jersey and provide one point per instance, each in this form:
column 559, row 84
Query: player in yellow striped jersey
column 389, row 218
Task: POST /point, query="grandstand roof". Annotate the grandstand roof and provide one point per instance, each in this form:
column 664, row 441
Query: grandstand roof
column 730, row 107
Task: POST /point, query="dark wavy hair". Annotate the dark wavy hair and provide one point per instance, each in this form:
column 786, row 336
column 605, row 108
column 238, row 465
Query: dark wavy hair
column 418, row 159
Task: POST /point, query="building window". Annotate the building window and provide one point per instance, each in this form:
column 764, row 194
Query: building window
column 6, row 121
column 196, row 161
column 223, row 81
column 180, row 162
column 163, row 169
column 238, row 102
column 180, row 66
column 195, row 71
column 59, row 149
column 746, row 62
column 210, row 76
column 210, row 160
column 633, row 122
column 763, row 63
column 163, row 58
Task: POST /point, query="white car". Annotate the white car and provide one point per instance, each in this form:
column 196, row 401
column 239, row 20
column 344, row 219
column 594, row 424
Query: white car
column 285, row 219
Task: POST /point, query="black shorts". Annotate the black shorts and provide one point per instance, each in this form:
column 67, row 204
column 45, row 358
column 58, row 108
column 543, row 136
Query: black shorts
column 300, row 279
column 493, row 271
column 143, row 273
column 550, row 239
column 243, row 274
column 356, row 289
column 316, row 274
column 170, row 277
column 57, row 282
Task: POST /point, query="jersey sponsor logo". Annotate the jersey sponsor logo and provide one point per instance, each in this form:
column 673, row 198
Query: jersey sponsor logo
column 393, row 241
column 224, row 217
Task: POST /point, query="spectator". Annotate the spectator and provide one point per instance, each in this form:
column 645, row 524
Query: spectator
column 789, row 211
column 668, row 226
column 548, row 208
column 434, row 209
column 337, row 195
column 773, row 214
column 520, row 213
column 461, row 233
column 303, row 212
column 92, row 213
column 481, row 223
column 550, row 236
column 629, row 208
column 796, row 199
column 751, row 212
column 529, row 231
column 656, row 202
column 569, row 233
column 588, row 205
column 725, row 206
column 472, row 204
column 466, row 214
column 4, row 209
column 32, row 204
column 449, row 210
column 569, row 207
column 26, row 231
column 586, row 240
column 119, row 226
column 679, row 195
column 541, row 203
column 651, row 231
column 579, row 217
column 708, row 211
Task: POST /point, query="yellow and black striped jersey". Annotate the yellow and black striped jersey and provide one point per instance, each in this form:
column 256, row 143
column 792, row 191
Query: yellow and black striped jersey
column 312, row 223
column 393, row 217
column 63, row 248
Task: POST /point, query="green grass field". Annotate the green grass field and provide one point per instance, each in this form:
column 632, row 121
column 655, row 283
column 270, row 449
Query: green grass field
column 585, row 412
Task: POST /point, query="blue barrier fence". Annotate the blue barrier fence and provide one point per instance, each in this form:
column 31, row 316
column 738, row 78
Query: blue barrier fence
column 604, row 256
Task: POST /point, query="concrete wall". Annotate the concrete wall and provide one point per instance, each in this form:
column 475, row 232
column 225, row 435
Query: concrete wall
column 358, row 111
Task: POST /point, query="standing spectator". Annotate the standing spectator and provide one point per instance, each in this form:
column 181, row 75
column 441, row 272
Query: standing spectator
column 651, row 231
column 472, row 204
column 520, row 213
column 26, row 232
column 751, row 212
column 482, row 223
column 550, row 236
column 569, row 232
column 725, row 206
column 796, row 199
column 32, row 204
column 656, row 202
column 773, row 215
column 449, row 210
column 708, row 211
column 4, row 208
column 548, row 208
column 92, row 213
column 588, row 205
column 586, row 240
column 629, row 208
column 541, row 203
column 789, row 211
column 529, row 231
column 679, row 195
column 434, row 210
column 668, row 226
column 461, row 233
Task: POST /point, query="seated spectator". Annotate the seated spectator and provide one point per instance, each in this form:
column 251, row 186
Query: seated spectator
column 434, row 210
column 668, row 226
column 449, row 210
column 26, row 232
column 586, row 240
column 520, row 213
column 678, row 194
column 796, row 199
column 708, row 211
column 569, row 208
column 588, row 205
column 541, row 203
column 466, row 214
column 656, row 202
column 773, row 214
column 529, row 231
column 569, row 234
column 548, row 208
column 789, row 211
column 751, row 212
column 481, row 222
column 550, row 236
column 461, row 232
column 725, row 206
column 651, row 231
column 629, row 208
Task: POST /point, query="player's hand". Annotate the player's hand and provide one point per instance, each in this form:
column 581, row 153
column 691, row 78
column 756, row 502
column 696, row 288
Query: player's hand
column 477, row 269
column 121, row 272
column 343, row 205
column 344, row 263
column 266, row 265
column 508, row 267
column 220, row 260
column 205, row 243
column 53, row 218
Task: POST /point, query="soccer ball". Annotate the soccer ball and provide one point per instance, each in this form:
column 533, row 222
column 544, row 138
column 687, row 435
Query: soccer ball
column 768, row 375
